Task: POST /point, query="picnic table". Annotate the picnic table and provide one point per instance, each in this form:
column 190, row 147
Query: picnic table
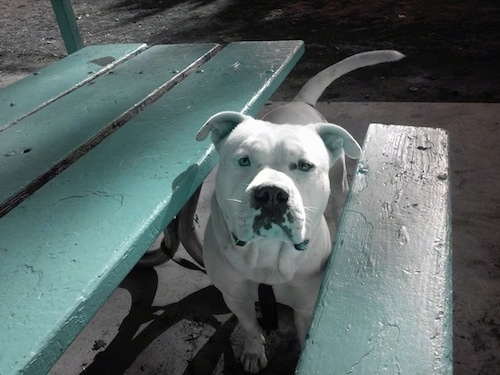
column 97, row 156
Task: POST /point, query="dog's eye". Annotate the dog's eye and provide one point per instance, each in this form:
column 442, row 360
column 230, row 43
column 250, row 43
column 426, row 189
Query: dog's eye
column 304, row 166
column 244, row 162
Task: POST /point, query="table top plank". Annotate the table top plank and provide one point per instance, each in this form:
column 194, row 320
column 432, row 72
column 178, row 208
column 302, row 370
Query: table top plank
column 66, row 247
column 385, row 305
column 42, row 144
column 34, row 91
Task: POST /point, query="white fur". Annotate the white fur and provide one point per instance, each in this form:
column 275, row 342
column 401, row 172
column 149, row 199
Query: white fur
column 243, row 246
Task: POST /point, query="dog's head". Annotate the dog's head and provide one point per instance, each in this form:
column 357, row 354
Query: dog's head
column 273, row 179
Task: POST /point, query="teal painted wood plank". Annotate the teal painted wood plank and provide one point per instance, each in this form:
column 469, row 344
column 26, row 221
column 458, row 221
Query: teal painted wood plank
column 385, row 306
column 67, row 25
column 39, row 146
column 69, row 245
column 33, row 92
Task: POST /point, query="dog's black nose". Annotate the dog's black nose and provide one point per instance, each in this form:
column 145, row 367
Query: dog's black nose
column 270, row 197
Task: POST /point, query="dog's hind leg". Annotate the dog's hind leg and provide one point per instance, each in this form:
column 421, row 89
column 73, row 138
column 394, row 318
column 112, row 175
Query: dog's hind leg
column 253, row 356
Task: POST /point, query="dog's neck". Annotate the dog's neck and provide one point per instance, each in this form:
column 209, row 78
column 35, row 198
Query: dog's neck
column 265, row 260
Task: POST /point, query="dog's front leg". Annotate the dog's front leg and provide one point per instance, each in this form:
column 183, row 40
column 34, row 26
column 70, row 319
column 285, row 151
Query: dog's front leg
column 253, row 356
column 302, row 320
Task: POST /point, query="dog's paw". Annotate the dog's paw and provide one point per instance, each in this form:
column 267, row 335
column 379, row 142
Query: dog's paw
column 253, row 363
column 253, row 358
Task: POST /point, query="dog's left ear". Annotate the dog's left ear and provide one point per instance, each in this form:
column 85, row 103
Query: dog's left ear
column 220, row 125
column 337, row 139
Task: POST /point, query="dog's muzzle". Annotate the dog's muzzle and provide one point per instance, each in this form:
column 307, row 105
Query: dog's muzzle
column 273, row 204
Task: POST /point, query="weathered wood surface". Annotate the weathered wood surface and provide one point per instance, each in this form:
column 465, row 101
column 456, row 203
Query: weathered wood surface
column 41, row 145
column 48, row 84
column 385, row 306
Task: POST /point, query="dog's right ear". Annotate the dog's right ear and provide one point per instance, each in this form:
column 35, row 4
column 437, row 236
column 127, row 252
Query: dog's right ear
column 220, row 125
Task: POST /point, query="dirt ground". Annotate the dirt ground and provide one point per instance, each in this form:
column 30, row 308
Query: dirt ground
column 453, row 47
column 453, row 55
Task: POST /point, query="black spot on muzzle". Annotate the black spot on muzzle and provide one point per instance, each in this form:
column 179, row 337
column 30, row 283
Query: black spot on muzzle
column 273, row 205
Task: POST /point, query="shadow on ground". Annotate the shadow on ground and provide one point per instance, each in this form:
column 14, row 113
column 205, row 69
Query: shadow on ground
column 146, row 322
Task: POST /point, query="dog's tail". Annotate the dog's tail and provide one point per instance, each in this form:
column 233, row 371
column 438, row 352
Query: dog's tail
column 313, row 88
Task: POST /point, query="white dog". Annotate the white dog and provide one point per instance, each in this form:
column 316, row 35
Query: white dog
column 267, row 229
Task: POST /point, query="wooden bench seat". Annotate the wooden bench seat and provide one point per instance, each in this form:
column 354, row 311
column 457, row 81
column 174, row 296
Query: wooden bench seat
column 385, row 306
column 92, row 171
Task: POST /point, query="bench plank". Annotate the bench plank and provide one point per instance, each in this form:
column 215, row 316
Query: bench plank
column 44, row 143
column 68, row 246
column 30, row 93
column 385, row 305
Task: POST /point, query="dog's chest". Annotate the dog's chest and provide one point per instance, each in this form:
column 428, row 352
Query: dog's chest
column 266, row 261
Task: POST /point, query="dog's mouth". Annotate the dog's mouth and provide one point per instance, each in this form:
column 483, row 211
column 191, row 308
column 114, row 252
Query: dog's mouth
column 298, row 246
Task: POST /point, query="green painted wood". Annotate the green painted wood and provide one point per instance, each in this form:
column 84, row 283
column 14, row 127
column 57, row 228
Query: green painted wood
column 67, row 25
column 65, row 248
column 385, row 306
column 41, row 88
column 44, row 143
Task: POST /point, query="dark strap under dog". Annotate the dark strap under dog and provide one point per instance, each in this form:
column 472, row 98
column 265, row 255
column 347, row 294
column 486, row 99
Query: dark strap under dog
column 179, row 260
column 268, row 308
